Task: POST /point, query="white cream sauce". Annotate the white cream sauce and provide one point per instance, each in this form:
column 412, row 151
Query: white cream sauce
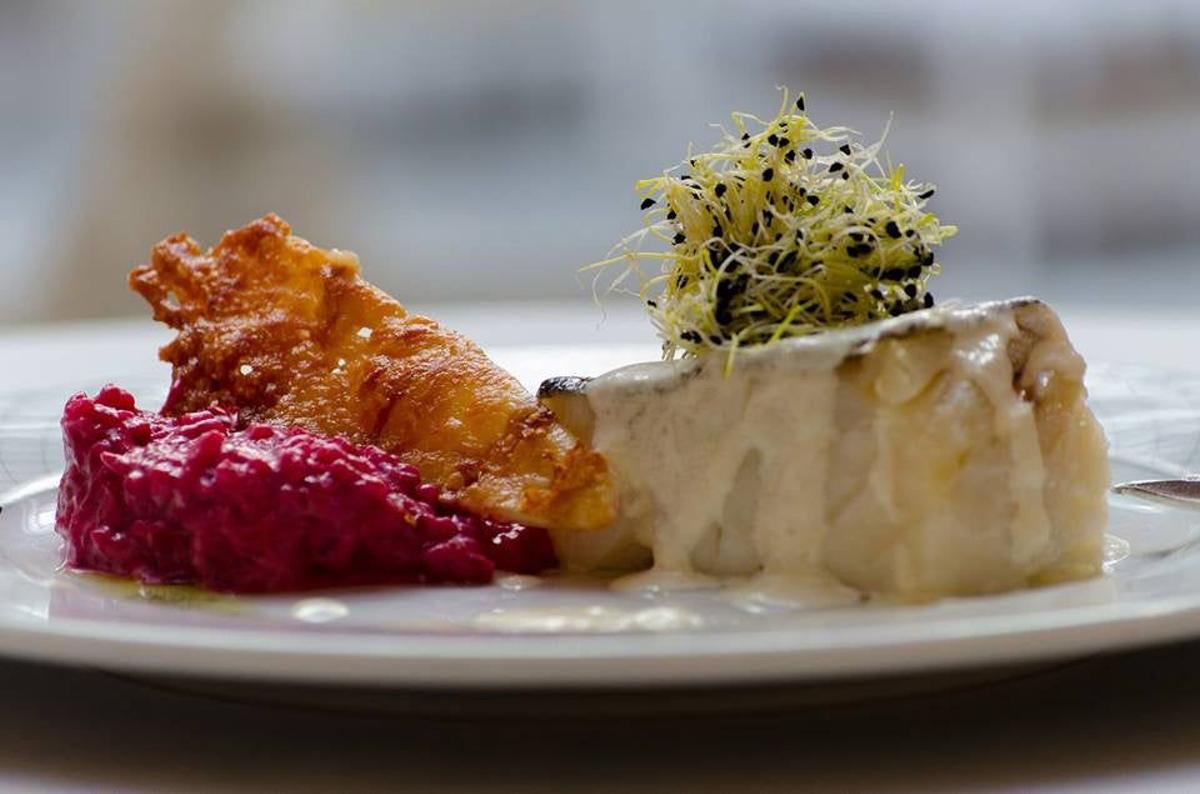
column 726, row 476
column 790, row 591
column 981, row 356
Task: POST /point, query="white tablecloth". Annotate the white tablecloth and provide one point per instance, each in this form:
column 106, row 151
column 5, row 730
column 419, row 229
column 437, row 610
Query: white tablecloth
column 1121, row 723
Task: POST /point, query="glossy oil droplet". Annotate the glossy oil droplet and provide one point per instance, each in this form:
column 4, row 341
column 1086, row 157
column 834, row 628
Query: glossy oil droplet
column 319, row 610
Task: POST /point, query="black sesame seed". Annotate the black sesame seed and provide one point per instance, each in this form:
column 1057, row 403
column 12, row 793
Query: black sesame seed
column 671, row 215
column 895, row 310
column 745, row 136
column 877, row 294
column 813, row 200
column 927, row 259
column 716, row 340
column 647, row 203
column 652, row 304
column 856, row 236
column 767, row 174
column 909, row 233
column 928, row 299
column 844, row 148
column 690, row 336
column 681, row 282
column 845, row 175
column 914, row 271
column 788, row 260
column 783, row 142
column 808, row 154
column 892, row 230
column 927, row 194
column 720, row 189
column 893, row 274
column 800, row 103
column 717, row 230
column 910, row 290
column 835, row 167
column 773, row 258
column 790, row 157
column 754, row 228
column 773, row 139
column 679, row 238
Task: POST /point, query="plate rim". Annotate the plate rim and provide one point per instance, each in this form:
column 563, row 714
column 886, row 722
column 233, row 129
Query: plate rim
column 435, row 661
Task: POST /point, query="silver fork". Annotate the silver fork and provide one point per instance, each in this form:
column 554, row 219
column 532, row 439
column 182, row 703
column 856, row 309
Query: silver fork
column 1185, row 491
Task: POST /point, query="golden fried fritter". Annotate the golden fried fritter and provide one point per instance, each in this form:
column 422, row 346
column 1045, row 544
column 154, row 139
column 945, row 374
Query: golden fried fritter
column 288, row 333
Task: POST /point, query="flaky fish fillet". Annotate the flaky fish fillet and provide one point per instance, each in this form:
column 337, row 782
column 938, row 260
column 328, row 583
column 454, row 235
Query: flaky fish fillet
column 945, row 452
column 289, row 333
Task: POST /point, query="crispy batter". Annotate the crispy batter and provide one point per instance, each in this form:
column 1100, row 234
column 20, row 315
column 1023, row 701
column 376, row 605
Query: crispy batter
column 288, row 333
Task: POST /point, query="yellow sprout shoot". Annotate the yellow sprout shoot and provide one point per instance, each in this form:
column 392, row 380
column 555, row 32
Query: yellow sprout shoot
column 783, row 229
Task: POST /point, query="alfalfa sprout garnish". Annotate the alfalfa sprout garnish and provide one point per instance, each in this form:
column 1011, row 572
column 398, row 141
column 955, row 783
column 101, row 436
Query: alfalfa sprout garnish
column 783, row 229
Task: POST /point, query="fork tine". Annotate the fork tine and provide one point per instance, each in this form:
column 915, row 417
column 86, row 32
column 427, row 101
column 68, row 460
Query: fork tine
column 1176, row 490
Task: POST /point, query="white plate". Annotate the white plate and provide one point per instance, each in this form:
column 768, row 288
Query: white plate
column 476, row 637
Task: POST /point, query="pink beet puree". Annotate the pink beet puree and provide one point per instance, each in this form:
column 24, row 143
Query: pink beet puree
column 194, row 499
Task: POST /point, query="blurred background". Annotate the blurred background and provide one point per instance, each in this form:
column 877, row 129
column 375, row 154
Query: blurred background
column 476, row 149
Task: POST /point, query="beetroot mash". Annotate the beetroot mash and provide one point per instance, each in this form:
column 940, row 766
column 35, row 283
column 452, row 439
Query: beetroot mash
column 194, row 499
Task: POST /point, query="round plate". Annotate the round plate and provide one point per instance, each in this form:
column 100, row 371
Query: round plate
column 560, row 633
